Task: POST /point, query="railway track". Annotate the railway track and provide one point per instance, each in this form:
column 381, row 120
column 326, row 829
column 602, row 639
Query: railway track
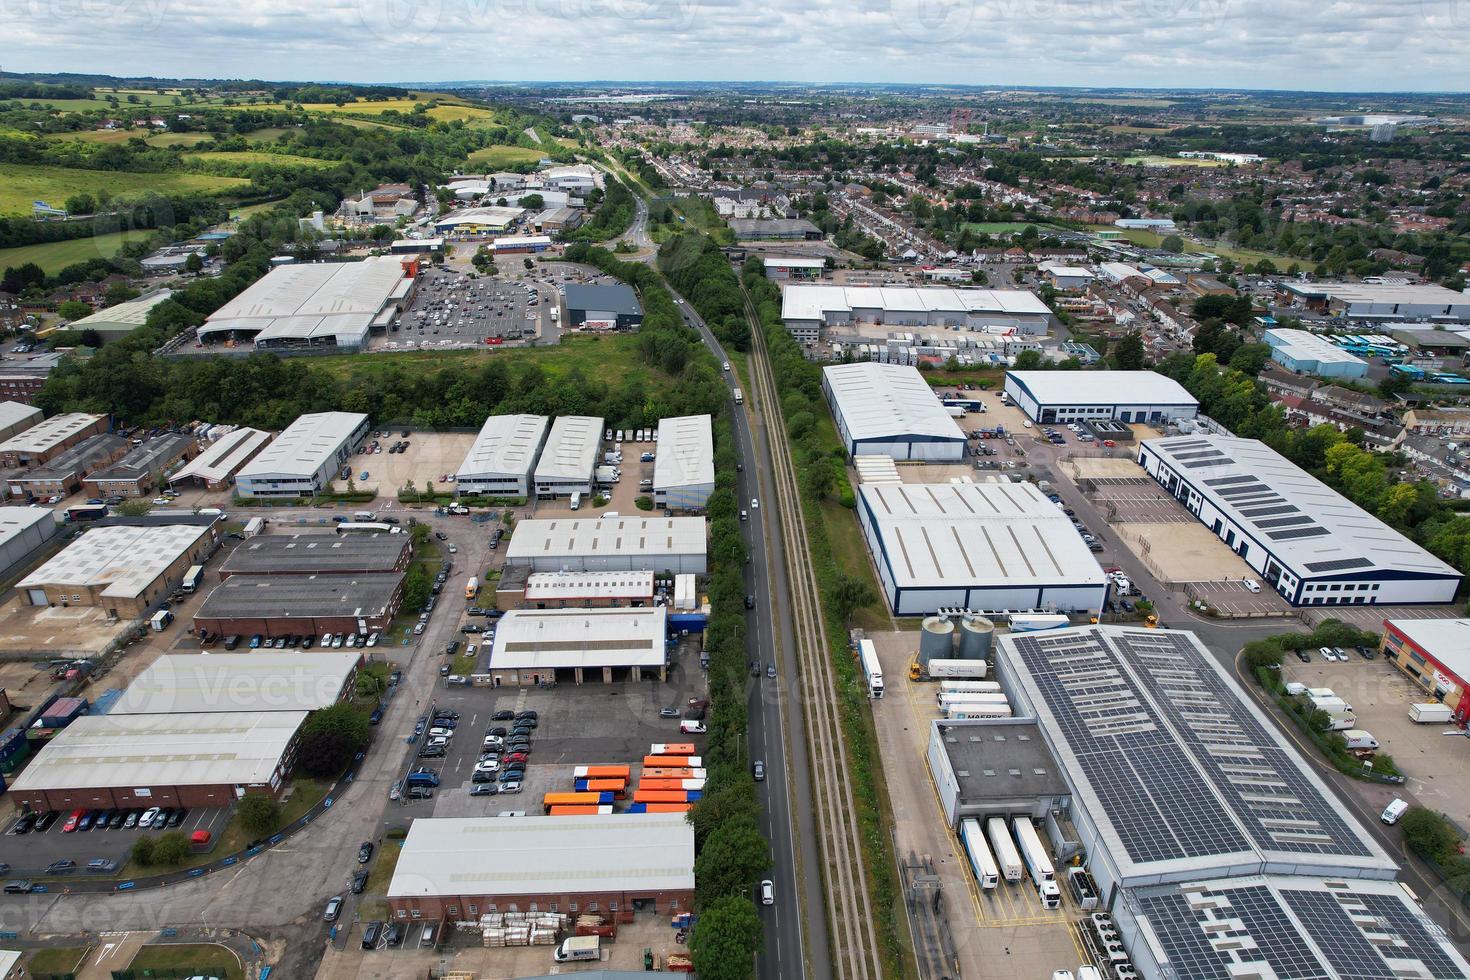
column 855, row 954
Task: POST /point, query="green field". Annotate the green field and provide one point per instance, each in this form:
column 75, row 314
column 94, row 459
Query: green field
column 179, row 139
column 206, row 958
column 608, row 359
column 1246, row 256
column 58, row 959
column 250, row 158
column 1154, row 161
column 20, row 184
column 55, row 256
column 493, row 157
column 1006, row 227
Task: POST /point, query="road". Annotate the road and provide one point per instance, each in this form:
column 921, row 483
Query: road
column 795, row 930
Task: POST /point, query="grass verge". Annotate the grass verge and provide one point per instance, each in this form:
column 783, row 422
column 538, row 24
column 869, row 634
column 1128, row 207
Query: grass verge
column 61, row 960
column 208, row 959
column 52, row 257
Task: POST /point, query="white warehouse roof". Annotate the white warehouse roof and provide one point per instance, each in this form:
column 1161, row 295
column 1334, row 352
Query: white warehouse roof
column 528, row 639
column 887, row 401
column 571, row 448
column 627, row 585
column 225, row 682
column 224, row 456
column 14, row 413
column 793, row 262
column 200, row 749
column 1306, row 524
column 48, row 433
column 305, row 446
column 1301, row 345
column 800, row 302
column 15, row 521
column 685, row 453
column 607, row 536
column 122, row 559
column 1102, row 388
column 506, row 446
column 640, row 853
column 968, row 535
column 310, row 300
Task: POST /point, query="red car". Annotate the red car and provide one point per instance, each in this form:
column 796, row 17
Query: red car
column 515, row 757
column 72, row 821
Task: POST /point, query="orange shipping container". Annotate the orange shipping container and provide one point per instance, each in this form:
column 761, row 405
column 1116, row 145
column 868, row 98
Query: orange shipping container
column 602, row 785
column 671, row 748
column 667, row 807
column 602, row 772
column 680, row 773
column 671, row 761
column 571, row 811
column 571, row 799
column 660, row 796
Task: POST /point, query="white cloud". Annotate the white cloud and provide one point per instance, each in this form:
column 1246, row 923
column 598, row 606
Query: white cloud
column 1342, row 44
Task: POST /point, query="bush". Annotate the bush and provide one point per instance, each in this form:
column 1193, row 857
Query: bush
column 172, row 849
column 259, row 814
column 143, row 850
column 1430, row 835
column 330, row 737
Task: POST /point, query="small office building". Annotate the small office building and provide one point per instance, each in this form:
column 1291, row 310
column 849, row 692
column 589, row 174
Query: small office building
column 890, row 410
column 666, row 545
column 46, row 439
column 301, row 605
column 1052, row 397
column 568, row 459
column 577, row 645
column 305, row 458
column 503, row 457
column 786, row 267
column 1435, row 655
column 684, row 463
column 123, row 569
column 603, row 307
column 581, row 590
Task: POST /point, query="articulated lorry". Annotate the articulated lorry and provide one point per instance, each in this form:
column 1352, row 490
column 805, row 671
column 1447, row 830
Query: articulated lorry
column 1004, row 849
column 939, row 669
column 1037, row 863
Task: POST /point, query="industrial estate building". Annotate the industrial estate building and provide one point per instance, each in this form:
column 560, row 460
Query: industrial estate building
column 300, row 605
column 684, row 463
column 1435, row 655
column 144, row 466
column 569, row 458
column 16, row 417
column 573, row 590
column 123, row 318
column 533, row 645
column 316, row 306
column 198, row 759
column 810, row 310
column 776, row 229
column 456, row 869
column 319, row 554
column 793, row 267
column 667, row 545
column 216, row 465
column 22, row 531
column 233, row 682
column 63, row 473
column 1310, row 353
column 46, row 439
column 890, row 410
column 603, row 307
column 120, row 568
column 305, row 458
column 1125, row 396
column 1308, row 542
column 1380, row 301
column 503, row 457
column 986, row 547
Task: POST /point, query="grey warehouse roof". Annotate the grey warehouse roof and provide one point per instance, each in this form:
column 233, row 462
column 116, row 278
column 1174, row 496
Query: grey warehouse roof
column 887, row 401
column 299, row 596
column 305, row 446
column 685, row 454
column 642, row 853
column 148, row 458
column 124, row 561
column 1182, row 775
column 527, row 639
column 571, row 448
column 15, row 521
column 223, row 456
column 610, row 298
column 574, row 538
column 803, row 302
column 1102, row 388
column 994, row 760
column 506, row 445
column 225, row 682
column 1305, row 523
column 48, row 433
column 266, row 554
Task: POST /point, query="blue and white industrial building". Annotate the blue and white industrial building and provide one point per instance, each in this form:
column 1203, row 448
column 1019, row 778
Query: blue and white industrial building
column 1308, row 353
column 1052, row 397
column 986, row 547
column 503, row 456
column 1308, row 542
column 890, row 410
column 810, row 310
column 684, row 463
column 305, row 458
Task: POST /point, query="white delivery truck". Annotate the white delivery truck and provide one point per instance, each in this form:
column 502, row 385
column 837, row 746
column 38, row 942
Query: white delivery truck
column 1037, row 863
column 578, row 948
column 987, row 872
column 1006, row 857
column 1430, row 713
column 1341, row 721
column 1357, row 738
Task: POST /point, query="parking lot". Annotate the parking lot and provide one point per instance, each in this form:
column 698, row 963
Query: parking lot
column 453, row 309
column 427, row 458
column 28, row 855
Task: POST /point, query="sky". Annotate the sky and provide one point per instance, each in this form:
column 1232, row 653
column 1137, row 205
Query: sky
column 1346, row 45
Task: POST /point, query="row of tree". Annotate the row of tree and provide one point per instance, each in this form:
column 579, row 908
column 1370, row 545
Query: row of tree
column 701, row 272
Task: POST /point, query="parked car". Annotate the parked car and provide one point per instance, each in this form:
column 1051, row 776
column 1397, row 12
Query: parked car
column 365, row 852
column 359, row 882
column 333, row 909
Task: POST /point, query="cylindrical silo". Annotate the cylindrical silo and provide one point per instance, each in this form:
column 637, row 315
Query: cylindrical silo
column 976, row 632
column 936, row 640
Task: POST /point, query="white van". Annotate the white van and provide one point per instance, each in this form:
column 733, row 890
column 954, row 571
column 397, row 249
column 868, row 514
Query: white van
column 691, row 727
column 1394, row 811
column 576, row 499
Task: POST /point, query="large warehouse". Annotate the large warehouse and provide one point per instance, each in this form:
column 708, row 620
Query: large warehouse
column 453, row 869
column 1309, row 543
column 121, row 319
column 810, row 310
column 198, row 759
column 300, row 605
column 188, row 683
column 1309, row 353
column 684, row 463
column 48, row 438
column 16, row 417
column 215, row 467
column 503, row 456
column 1052, row 397
column 1381, row 301
column 890, row 410
column 569, row 458
column 603, row 306
column 123, row 569
column 22, row 531
column 987, row 547
column 667, row 545
column 305, row 458
column 316, row 306
column 533, row 645
column 319, row 554
column 142, row 469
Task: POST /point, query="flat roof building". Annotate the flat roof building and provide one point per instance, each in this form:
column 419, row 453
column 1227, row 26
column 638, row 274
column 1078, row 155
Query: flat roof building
column 1068, row 276
column 994, row 768
column 779, row 229
column 305, row 458
column 63, row 473
column 300, row 605
column 684, row 463
column 191, row 683
column 449, row 866
column 319, row 554
column 40, row 442
column 569, row 457
column 216, row 465
column 200, row 759
column 314, row 305
column 503, row 457
column 890, row 410
column 532, row 645
column 587, row 590
column 603, row 306
column 16, row 417
column 478, row 221
column 987, row 547
column 811, row 311
column 144, row 466
column 1309, row 353
column 123, row 569
column 1435, row 655
column 1126, row 396
column 1381, row 301
column 22, row 531
column 793, row 267
column 1309, row 542
column 123, row 318
column 667, row 545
